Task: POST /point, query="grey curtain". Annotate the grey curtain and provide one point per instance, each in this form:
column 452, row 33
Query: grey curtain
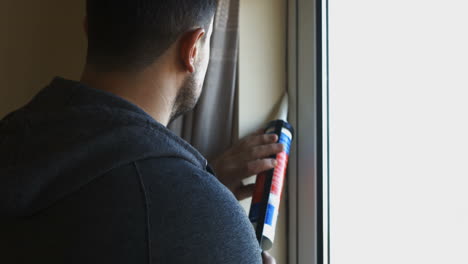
column 212, row 126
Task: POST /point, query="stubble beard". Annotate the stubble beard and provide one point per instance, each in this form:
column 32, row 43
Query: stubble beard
column 186, row 99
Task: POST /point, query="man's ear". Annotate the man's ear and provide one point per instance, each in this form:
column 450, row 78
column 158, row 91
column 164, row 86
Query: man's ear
column 189, row 48
column 85, row 25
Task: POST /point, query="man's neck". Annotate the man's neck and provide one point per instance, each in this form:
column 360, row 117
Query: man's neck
column 151, row 89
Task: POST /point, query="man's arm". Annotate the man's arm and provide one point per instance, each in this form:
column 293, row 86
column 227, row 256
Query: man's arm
column 192, row 217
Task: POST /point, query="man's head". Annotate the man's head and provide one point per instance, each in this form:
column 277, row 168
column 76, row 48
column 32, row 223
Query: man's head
column 128, row 36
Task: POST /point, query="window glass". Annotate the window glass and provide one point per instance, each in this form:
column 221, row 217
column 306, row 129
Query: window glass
column 398, row 131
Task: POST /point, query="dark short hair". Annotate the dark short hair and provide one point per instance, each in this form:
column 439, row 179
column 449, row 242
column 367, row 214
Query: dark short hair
column 132, row 34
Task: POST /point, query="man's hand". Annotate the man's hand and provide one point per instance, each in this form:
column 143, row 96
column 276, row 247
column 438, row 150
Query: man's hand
column 267, row 258
column 250, row 156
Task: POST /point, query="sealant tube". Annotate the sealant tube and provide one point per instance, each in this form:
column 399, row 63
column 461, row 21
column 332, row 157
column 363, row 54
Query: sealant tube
column 269, row 186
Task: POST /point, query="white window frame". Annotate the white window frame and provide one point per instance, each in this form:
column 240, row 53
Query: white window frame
column 308, row 199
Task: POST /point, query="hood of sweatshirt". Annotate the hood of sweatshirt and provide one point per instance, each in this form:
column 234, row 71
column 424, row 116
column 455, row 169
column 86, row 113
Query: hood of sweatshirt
column 70, row 134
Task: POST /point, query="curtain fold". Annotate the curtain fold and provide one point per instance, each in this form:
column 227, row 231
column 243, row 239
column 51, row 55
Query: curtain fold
column 212, row 126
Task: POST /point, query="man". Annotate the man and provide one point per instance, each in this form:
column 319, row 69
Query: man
column 91, row 174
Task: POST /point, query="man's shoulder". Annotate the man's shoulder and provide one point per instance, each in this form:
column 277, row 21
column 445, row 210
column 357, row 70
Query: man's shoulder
column 177, row 173
column 194, row 218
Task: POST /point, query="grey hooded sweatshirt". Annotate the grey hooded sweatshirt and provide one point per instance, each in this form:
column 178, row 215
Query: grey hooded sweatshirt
column 88, row 177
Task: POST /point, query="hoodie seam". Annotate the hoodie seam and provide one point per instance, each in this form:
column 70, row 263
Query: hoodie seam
column 39, row 210
column 146, row 203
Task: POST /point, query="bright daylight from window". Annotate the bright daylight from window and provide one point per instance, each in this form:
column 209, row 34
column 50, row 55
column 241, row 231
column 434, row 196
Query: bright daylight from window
column 399, row 131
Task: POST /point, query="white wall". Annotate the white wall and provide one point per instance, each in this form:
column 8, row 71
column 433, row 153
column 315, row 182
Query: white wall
column 262, row 79
column 39, row 40
column 262, row 60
